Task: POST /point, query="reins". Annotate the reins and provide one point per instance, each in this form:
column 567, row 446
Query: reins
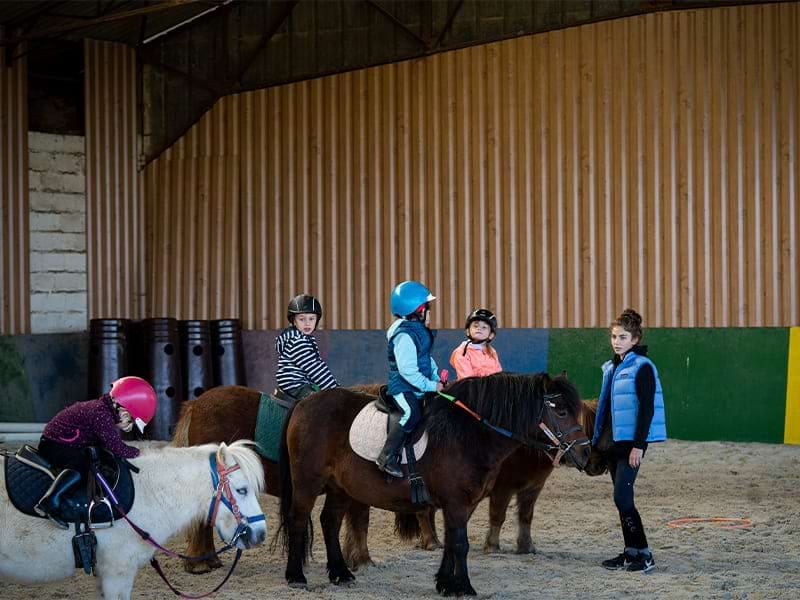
column 561, row 447
column 177, row 592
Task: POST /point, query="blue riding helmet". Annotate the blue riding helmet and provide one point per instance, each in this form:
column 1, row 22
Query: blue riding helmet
column 408, row 296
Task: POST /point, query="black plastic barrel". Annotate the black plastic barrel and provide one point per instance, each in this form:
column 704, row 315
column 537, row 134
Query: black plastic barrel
column 198, row 372
column 108, row 354
column 227, row 355
column 161, row 366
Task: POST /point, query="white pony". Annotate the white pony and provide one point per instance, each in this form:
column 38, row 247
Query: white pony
column 173, row 488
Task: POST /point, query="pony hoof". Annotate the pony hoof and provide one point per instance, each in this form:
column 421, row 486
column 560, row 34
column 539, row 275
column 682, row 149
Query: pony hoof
column 453, row 587
column 298, row 582
column 531, row 549
column 362, row 564
column 491, row 549
column 196, row 568
column 430, row 546
column 298, row 585
column 341, row 577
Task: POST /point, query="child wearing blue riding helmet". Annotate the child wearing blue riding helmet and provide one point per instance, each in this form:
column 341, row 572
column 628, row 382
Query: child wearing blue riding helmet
column 412, row 370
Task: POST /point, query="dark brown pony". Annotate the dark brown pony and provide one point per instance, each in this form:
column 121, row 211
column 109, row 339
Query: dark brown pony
column 524, row 473
column 226, row 414
column 461, row 464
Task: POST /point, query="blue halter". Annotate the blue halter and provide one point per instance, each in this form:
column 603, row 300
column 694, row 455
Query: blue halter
column 224, row 495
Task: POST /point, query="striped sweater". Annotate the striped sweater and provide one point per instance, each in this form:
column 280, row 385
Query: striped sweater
column 299, row 362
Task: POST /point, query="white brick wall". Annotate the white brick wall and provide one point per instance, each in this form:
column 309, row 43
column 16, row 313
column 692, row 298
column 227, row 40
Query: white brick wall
column 58, row 232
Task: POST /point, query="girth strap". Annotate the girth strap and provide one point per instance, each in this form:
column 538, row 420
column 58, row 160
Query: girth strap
column 419, row 493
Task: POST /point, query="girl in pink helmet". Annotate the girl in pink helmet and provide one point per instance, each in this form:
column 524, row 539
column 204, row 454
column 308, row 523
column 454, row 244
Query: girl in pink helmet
column 131, row 402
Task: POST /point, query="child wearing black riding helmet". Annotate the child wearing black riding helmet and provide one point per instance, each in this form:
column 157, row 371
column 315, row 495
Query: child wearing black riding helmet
column 301, row 370
column 475, row 357
column 630, row 414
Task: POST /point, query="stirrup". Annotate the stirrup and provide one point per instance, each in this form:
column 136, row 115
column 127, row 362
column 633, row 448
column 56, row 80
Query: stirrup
column 93, row 505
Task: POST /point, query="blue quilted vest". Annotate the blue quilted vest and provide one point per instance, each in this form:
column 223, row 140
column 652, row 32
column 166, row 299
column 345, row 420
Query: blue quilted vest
column 423, row 340
column 624, row 404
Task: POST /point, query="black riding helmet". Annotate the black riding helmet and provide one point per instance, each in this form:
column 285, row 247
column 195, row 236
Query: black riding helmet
column 482, row 314
column 303, row 303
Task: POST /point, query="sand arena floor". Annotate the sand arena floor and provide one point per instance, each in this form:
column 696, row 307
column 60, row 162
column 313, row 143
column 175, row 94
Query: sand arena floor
column 575, row 527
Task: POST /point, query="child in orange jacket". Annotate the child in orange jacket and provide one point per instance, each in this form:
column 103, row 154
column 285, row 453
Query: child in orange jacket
column 475, row 357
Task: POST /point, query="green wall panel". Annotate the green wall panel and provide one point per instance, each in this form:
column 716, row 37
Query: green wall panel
column 15, row 394
column 41, row 374
column 719, row 384
column 580, row 352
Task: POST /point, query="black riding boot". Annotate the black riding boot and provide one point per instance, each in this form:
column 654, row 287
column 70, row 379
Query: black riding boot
column 48, row 504
column 389, row 459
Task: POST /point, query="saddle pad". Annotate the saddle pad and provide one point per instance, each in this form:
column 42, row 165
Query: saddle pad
column 269, row 425
column 26, row 485
column 368, row 434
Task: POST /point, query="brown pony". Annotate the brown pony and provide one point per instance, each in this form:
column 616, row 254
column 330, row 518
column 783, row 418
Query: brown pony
column 524, row 473
column 226, row 414
column 461, row 464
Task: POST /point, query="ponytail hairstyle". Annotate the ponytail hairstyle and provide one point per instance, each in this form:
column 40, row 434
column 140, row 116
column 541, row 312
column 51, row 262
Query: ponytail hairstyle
column 630, row 321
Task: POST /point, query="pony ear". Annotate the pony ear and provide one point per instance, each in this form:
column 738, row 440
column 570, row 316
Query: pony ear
column 222, row 453
column 564, row 374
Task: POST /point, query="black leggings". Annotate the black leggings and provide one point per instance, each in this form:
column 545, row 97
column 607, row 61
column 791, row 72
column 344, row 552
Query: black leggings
column 624, row 476
column 62, row 456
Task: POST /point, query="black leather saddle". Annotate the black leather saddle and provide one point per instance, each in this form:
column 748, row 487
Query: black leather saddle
column 28, row 477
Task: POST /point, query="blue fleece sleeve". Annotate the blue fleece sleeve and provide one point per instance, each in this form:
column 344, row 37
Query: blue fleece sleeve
column 435, row 370
column 405, row 353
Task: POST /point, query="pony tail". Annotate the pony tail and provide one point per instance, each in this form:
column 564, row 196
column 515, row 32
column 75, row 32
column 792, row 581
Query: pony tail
column 406, row 526
column 181, row 436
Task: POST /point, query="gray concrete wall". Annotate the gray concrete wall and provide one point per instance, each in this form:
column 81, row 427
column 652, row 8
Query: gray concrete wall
column 57, row 233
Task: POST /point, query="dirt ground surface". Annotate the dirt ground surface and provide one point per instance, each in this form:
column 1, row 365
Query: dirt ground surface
column 575, row 528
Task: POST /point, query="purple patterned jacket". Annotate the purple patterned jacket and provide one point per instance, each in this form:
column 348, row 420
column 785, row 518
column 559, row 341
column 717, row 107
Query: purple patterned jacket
column 90, row 423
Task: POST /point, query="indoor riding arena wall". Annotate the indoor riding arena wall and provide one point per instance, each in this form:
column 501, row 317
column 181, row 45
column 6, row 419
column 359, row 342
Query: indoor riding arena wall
column 733, row 384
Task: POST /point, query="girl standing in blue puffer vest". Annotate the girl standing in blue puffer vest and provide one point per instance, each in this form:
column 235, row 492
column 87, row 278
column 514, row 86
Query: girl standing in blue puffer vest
column 630, row 415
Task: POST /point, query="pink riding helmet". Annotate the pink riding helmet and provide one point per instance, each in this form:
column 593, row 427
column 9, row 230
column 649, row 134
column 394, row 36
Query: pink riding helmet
column 136, row 396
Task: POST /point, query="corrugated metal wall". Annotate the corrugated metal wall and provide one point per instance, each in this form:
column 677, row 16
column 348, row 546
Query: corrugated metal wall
column 557, row 178
column 193, row 217
column 14, row 234
column 115, row 210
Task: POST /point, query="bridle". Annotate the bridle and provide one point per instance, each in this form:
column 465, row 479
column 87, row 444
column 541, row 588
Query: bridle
column 559, row 444
column 222, row 495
